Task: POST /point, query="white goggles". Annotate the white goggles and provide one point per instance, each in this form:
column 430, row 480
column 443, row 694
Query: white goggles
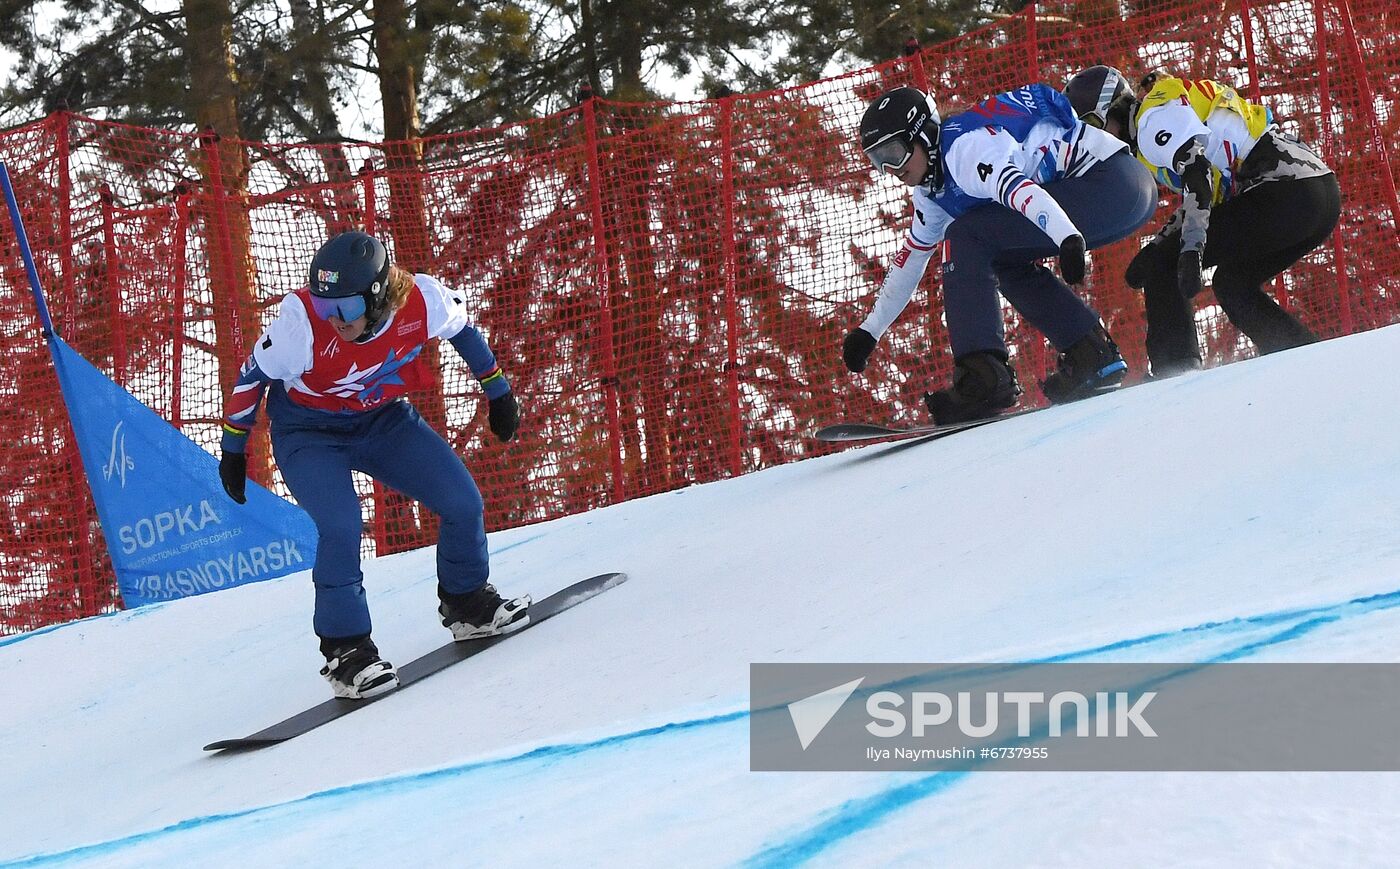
column 891, row 154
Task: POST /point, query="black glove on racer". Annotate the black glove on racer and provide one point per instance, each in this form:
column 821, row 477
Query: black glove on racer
column 856, row 349
column 1072, row 259
column 233, row 473
column 504, row 416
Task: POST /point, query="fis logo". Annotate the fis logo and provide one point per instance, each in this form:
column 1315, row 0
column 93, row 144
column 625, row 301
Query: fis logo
column 118, row 462
column 332, row 347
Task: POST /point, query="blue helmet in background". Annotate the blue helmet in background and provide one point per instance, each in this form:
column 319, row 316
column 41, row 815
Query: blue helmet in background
column 349, row 275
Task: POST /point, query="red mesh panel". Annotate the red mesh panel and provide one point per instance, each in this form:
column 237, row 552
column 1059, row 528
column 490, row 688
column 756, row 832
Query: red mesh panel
column 666, row 285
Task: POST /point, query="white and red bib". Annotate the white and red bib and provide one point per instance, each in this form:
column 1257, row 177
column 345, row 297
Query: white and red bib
column 325, row 372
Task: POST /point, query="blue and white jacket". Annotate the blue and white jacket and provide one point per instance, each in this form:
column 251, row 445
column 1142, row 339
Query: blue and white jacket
column 1000, row 150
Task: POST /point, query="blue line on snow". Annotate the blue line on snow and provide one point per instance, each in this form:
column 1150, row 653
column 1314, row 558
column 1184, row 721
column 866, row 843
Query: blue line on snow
column 509, row 546
column 859, row 815
column 38, row 632
column 846, row 820
column 1370, row 603
column 547, row 752
column 134, row 612
column 852, row 817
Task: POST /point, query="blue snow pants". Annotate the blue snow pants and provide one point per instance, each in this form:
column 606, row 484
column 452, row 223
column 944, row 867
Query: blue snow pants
column 993, row 247
column 392, row 444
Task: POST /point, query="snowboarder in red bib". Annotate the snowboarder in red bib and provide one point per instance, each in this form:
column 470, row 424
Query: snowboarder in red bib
column 339, row 359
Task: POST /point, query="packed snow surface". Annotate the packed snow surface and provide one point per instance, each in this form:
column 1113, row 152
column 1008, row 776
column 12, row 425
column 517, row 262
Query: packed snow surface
column 1247, row 513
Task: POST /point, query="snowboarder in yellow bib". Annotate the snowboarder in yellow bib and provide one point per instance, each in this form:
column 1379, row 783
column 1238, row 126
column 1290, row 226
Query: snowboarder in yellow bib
column 1254, row 201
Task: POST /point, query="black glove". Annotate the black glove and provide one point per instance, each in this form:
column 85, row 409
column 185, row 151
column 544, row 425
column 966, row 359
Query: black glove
column 233, row 473
column 1140, row 269
column 1188, row 273
column 504, row 417
column 856, row 349
column 1072, row 259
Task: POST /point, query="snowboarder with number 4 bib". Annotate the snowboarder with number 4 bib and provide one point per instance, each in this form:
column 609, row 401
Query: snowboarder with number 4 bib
column 338, row 360
column 1015, row 179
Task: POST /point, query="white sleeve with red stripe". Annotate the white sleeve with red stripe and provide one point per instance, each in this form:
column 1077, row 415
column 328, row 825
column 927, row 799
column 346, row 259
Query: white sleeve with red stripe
column 283, row 352
column 906, row 268
column 983, row 163
column 241, row 408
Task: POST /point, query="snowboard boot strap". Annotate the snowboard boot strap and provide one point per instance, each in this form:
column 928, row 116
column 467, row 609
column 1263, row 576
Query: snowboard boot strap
column 355, row 670
column 1090, row 365
column 482, row 613
column 983, row 386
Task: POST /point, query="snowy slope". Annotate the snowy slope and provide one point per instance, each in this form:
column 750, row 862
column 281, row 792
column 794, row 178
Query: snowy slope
column 1216, row 516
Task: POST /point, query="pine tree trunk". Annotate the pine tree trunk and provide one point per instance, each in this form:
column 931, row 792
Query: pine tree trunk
column 399, row 60
column 343, row 212
column 224, row 204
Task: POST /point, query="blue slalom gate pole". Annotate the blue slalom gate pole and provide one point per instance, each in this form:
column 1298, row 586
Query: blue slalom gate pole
column 18, row 223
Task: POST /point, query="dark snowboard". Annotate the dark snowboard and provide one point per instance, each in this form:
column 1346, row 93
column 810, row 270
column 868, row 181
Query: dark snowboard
column 421, row 668
column 847, row 432
column 860, row 431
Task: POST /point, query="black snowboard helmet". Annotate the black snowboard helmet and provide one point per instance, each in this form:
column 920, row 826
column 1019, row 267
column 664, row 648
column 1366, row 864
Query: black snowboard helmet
column 349, row 278
column 1100, row 94
column 893, row 122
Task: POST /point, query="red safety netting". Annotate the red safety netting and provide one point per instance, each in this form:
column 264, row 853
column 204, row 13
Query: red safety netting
column 666, row 285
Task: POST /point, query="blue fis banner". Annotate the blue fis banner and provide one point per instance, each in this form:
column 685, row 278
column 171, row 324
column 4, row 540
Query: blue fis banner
column 171, row 530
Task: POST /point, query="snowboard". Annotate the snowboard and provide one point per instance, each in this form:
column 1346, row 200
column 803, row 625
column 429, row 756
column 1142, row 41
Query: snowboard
column 421, row 668
column 847, row 432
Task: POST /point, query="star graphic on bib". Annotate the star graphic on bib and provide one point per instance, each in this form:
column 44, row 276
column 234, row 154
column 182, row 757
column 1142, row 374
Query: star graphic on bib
column 369, row 383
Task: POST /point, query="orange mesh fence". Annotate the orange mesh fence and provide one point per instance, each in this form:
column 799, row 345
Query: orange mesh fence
column 666, row 285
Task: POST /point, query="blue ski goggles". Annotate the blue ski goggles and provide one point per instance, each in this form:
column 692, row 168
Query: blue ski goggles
column 890, row 155
column 345, row 308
